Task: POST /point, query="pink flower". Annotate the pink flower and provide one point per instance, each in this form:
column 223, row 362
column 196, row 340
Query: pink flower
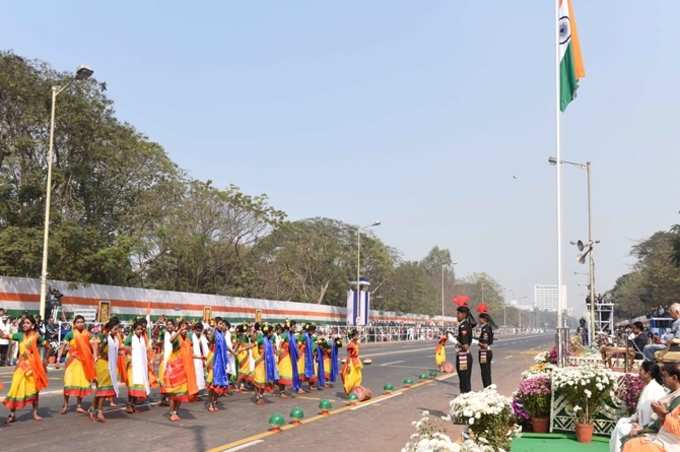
column 629, row 390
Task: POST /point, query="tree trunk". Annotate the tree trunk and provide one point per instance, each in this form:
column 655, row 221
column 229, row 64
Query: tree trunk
column 322, row 294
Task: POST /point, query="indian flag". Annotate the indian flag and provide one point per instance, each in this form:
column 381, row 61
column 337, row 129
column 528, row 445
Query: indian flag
column 571, row 61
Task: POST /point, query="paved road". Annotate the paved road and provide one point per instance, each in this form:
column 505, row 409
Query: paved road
column 240, row 419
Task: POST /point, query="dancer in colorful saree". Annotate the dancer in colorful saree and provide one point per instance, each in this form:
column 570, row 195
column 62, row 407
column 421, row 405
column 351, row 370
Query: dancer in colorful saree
column 440, row 353
column 351, row 371
column 217, row 363
column 336, row 345
column 80, row 370
column 307, row 342
column 266, row 373
column 105, row 389
column 285, row 364
column 117, row 359
column 139, row 387
column 199, row 343
column 293, row 353
column 29, row 377
column 179, row 379
column 244, row 357
column 319, row 364
column 327, row 349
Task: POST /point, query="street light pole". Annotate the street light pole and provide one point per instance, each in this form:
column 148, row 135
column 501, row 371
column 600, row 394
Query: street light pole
column 591, row 262
column 82, row 73
column 443, row 267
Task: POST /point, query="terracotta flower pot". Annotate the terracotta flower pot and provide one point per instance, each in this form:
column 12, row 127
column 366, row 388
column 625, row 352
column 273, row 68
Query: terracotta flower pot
column 540, row 424
column 584, row 432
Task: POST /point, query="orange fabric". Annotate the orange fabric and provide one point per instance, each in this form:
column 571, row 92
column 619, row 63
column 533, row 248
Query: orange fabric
column 187, row 353
column 579, row 67
column 122, row 362
column 641, row 444
column 36, row 364
column 353, row 353
column 150, row 358
column 672, row 422
column 283, row 351
column 83, row 353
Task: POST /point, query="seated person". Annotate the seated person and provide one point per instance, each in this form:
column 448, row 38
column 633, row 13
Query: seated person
column 650, row 349
column 638, row 339
column 663, row 434
column 650, row 374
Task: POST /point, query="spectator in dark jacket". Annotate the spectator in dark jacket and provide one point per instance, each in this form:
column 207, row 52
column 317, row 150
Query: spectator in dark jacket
column 638, row 339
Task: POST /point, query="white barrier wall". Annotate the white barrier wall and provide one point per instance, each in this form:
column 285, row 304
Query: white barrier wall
column 23, row 294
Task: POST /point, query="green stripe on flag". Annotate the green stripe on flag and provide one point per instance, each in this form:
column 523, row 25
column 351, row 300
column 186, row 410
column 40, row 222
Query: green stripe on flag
column 568, row 82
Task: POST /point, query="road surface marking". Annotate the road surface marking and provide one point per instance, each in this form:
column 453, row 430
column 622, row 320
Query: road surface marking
column 312, row 398
column 446, row 376
column 392, row 362
column 249, row 440
column 508, row 357
column 423, row 368
column 245, row 446
column 380, row 398
column 365, row 404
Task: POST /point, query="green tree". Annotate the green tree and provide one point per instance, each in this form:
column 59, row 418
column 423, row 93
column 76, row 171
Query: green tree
column 204, row 240
column 103, row 171
column 314, row 260
column 655, row 279
column 410, row 289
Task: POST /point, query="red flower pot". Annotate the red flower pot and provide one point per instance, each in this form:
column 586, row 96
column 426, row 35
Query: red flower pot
column 584, row 433
column 540, row 424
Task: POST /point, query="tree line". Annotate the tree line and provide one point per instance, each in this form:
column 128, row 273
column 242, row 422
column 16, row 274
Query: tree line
column 124, row 214
column 654, row 279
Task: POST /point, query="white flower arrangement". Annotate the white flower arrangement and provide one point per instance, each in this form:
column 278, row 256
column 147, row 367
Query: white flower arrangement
column 429, row 439
column 486, row 413
column 488, row 416
column 474, row 405
column 585, row 388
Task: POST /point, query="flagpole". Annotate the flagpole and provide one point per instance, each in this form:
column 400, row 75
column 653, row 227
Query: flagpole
column 560, row 295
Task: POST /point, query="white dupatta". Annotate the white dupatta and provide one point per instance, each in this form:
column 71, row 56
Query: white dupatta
column 112, row 358
column 140, row 369
column 198, row 363
column 231, row 360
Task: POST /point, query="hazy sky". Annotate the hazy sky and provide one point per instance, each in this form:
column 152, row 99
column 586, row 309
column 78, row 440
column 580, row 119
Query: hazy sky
column 415, row 113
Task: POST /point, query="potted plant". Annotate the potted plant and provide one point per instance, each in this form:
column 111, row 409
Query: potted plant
column 488, row 416
column 534, row 393
column 585, row 388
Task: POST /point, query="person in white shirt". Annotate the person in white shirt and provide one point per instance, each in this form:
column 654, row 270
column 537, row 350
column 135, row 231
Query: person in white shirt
column 5, row 324
column 650, row 374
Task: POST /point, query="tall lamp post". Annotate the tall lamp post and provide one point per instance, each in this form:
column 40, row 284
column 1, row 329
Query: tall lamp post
column 359, row 229
column 82, row 73
column 591, row 262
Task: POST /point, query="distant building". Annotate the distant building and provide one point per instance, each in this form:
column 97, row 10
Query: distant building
column 546, row 296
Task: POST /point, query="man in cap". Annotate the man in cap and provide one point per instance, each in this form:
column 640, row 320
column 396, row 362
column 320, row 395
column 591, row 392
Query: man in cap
column 463, row 356
column 485, row 342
